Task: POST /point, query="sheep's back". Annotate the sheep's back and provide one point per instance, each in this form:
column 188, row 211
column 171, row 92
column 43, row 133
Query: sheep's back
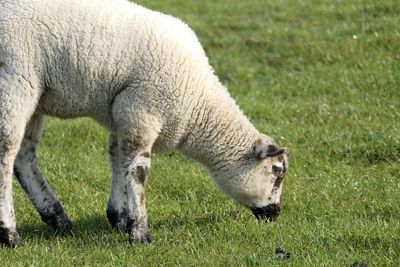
column 86, row 52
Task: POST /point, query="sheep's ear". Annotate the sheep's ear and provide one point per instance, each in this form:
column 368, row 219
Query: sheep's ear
column 261, row 151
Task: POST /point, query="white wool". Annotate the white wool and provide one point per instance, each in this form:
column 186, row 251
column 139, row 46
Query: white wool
column 138, row 73
column 78, row 55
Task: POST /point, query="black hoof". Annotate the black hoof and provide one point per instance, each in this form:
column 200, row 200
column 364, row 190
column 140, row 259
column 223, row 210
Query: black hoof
column 140, row 238
column 10, row 238
column 117, row 220
column 58, row 220
column 64, row 227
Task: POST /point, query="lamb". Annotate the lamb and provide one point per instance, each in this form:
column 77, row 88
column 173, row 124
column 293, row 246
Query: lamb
column 144, row 76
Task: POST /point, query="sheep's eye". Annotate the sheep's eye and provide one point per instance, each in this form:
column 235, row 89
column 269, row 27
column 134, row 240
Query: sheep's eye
column 277, row 170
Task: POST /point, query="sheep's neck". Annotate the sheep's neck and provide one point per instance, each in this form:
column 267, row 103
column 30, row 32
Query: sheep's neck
column 220, row 131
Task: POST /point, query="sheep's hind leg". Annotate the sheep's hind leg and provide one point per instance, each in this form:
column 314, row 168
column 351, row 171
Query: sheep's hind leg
column 117, row 210
column 137, row 131
column 9, row 142
column 17, row 103
column 32, row 181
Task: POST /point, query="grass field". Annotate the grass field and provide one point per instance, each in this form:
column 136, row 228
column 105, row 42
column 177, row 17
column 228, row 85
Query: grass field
column 321, row 77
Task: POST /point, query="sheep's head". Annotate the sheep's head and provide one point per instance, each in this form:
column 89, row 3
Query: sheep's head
column 256, row 179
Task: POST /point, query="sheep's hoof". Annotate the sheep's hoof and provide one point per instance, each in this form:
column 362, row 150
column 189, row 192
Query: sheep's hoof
column 58, row 220
column 117, row 220
column 141, row 238
column 10, row 238
column 65, row 227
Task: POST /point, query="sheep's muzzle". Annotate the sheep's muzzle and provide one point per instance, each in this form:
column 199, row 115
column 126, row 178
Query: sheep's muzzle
column 268, row 213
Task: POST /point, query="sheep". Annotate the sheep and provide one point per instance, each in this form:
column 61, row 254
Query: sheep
column 144, row 76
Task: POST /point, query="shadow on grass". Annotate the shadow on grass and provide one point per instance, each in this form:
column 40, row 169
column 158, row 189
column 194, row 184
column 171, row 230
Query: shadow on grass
column 204, row 221
column 179, row 222
column 98, row 225
column 94, row 224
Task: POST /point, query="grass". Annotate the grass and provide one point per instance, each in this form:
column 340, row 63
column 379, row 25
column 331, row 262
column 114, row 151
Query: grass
column 321, row 77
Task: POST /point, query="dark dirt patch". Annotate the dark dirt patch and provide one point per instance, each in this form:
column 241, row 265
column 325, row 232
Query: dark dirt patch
column 361, row 263
column 282, row 253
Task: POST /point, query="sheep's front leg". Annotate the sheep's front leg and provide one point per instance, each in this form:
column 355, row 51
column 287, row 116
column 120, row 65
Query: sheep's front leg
column 32, row 181
column 137, row 130
column 117, row 210
column 136, row 170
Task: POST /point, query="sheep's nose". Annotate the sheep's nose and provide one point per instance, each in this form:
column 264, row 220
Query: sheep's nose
column 268, row 213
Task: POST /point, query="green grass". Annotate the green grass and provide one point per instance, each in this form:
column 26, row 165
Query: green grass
column 321, row 77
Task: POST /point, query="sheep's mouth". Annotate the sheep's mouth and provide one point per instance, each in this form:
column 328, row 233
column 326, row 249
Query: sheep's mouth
column 267, row 213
